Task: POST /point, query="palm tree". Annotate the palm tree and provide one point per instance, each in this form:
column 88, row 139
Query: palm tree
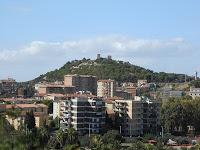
column 43, row 136
column 71, row 135
column 61, row 137
column 97, row 142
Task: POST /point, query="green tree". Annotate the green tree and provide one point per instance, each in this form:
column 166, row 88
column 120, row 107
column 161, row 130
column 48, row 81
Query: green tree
column 71, row 136
column 61, row 137
column 96, row 142
column 137, row 146
column 13, row 113
column 43, row 136
column 29, row 120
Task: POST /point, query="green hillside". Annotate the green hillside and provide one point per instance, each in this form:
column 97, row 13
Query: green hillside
column 110, row 69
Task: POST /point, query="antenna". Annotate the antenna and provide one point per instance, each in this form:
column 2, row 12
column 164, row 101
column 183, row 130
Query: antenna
column 196, row 75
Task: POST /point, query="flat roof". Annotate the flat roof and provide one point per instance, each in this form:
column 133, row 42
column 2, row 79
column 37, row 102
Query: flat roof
column 9, row 106
column 72, row 75
column 56, row 85
column 109, row 80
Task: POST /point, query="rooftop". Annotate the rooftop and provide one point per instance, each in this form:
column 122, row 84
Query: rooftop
column 15, row 99
column 25, row 106
column 55, row 85
column 73, row 75
column 109, row 80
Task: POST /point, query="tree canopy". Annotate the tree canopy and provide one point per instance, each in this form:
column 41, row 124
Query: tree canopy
column 110, row 69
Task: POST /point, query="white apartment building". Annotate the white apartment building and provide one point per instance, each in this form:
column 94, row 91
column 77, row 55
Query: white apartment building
column 85, row 113
column 106, row 88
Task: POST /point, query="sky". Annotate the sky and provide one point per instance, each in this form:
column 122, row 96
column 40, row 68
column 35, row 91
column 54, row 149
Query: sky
column 38, row 36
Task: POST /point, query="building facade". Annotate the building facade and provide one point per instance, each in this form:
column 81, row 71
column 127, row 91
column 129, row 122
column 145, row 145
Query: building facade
column 85, row 113
column 82, row 82
column 40, row 112
column 8, row 87
column 44, row 89
column 106, row 88
column 138, row 116
column 194, row 92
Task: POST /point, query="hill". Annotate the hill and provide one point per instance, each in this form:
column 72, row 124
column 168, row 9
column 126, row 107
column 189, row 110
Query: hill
column 110, row 69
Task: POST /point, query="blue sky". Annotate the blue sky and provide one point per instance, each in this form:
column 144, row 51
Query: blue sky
column 37, row 36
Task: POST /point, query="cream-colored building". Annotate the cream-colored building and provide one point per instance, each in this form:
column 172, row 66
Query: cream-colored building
column 138, row 116
column 40, row 113
column 106, row 88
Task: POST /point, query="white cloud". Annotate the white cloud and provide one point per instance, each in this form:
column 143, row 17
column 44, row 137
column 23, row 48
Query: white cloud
column 114, row 44
column 45, row 55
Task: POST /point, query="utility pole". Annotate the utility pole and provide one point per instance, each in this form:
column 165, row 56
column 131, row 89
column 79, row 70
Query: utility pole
column 89, row 129
column 120, row 130
column 130, row 131
column 162, row 131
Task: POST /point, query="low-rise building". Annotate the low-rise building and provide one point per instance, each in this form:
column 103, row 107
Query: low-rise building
column 194, row 92
column 17, row 100
column 142, row 83
column 40, row 113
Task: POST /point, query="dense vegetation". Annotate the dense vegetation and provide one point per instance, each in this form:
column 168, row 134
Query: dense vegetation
column 195, row 83
column 46, row 138
column 110, row 69
column 177, row 114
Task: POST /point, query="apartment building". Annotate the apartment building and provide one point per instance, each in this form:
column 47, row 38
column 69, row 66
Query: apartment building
column 85, row 113
column 40, row 113
column 194, row 92
column 138, row 116
column 82, row 82
column 44, row 89
column 106, row 88
column 8, row 87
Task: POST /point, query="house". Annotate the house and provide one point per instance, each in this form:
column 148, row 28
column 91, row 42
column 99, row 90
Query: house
column 40, row 112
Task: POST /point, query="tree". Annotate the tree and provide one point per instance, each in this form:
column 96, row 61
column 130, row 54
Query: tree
column 43, row 136
column 30, row 120
column 179, row 113
column 195, row 83
column 96, row 142
column 61, row 137
column 49, row 103
column 71, row 136
column 13, row 113
column 112, row 139
column 137, row 146
column 72, row 147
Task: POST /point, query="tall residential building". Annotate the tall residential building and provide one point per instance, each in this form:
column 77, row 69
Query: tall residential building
column 85, row 113
column 138, row 116
column 106, row 88
column 8, row 87
column 82, row 82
